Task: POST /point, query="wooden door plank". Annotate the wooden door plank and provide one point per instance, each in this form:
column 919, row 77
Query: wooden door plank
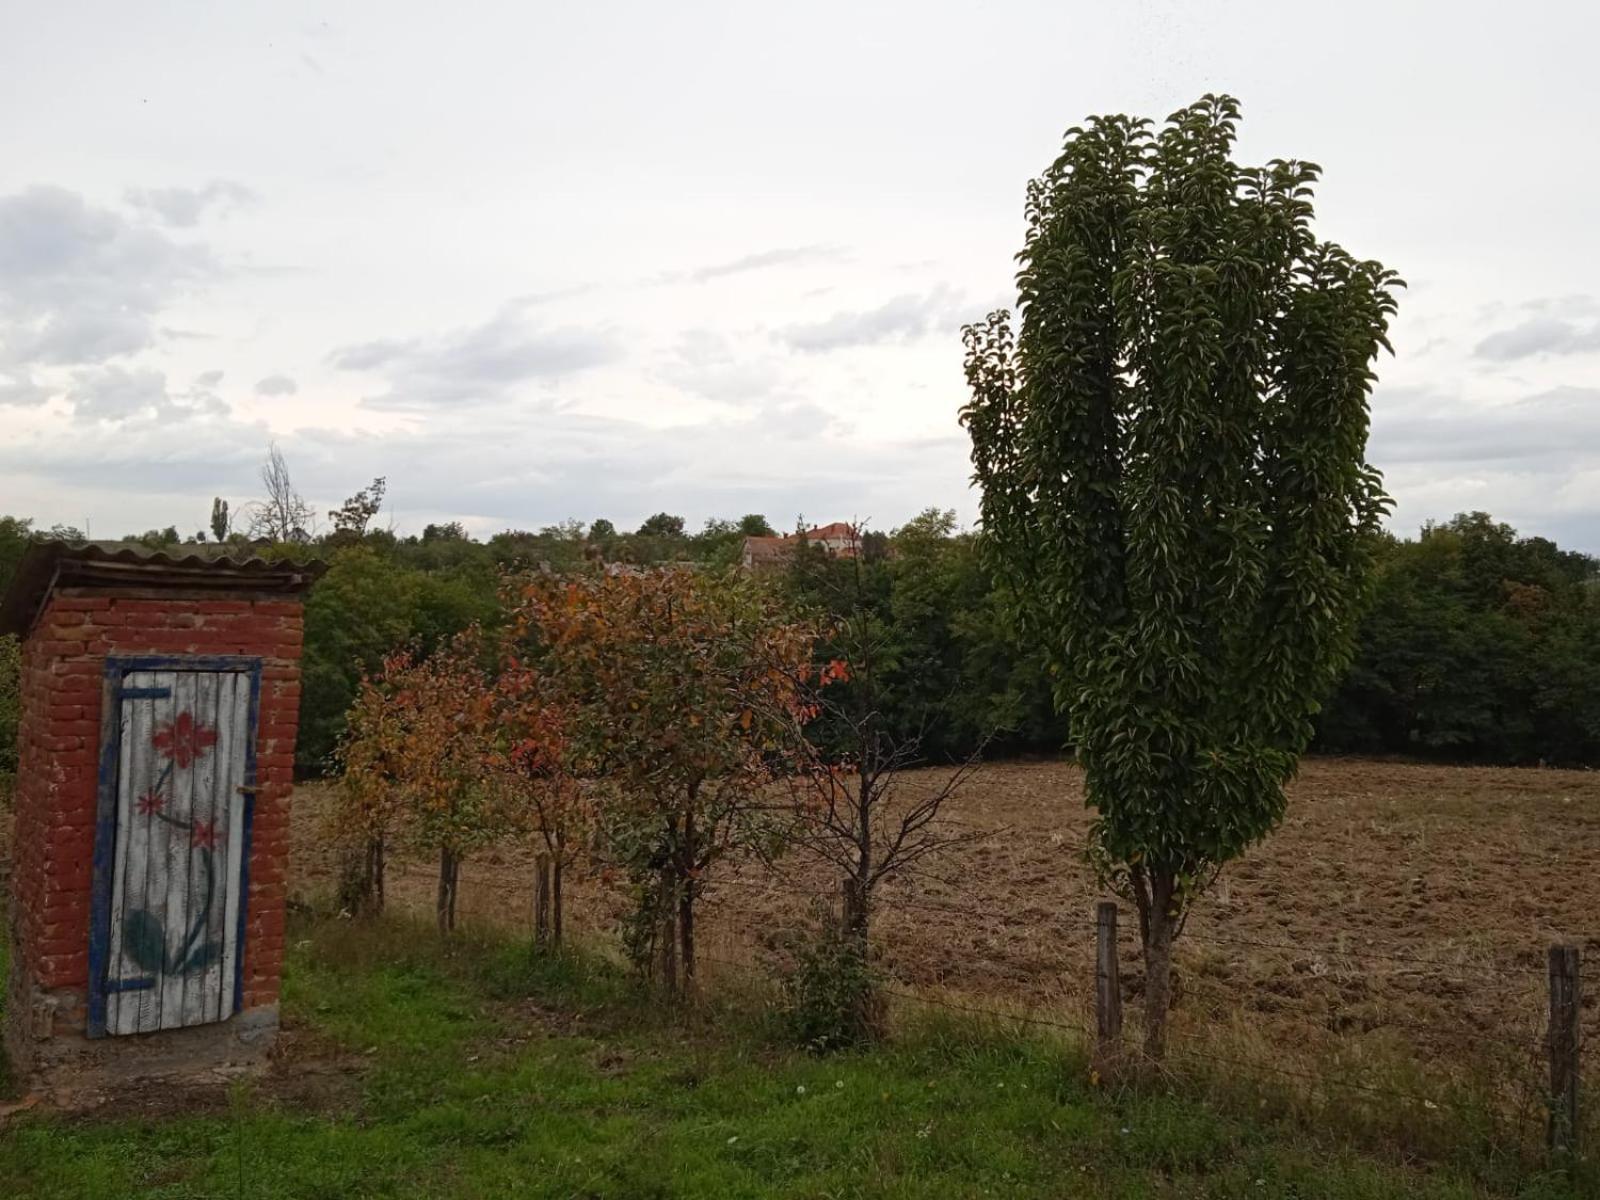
column 153, row 787
column 233, row 732
column 190, row 945
column 179, row 860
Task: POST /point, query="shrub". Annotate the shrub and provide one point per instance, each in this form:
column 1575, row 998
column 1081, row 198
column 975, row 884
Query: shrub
column 831, row 994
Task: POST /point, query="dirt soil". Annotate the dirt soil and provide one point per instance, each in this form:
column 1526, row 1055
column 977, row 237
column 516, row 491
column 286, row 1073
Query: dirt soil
column 1396, row 900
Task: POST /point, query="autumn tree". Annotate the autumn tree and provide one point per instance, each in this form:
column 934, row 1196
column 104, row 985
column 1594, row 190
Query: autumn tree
column 417, row 761
column 1171, row 449
column 682, row 691
column 371, row 760
column 534, row 757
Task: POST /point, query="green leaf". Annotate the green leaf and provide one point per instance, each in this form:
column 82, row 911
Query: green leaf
column 202, row 957
column 144, row 940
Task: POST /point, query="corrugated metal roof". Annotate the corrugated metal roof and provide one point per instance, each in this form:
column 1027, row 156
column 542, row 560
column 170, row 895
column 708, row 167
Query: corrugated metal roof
column 47, row 564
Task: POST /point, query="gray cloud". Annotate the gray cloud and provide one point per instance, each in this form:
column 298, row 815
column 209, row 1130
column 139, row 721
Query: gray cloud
column 782, row 257
column 901, row 319
column 115, row 393
column 208, row 379
column 720, row 368
column 508, row 470
column 276, row 385
column 92, row 334
column 1539, row 335
column 183, row 207
column 484, row 362
column 20, row 388
column 81, row 285
column 1552, row 429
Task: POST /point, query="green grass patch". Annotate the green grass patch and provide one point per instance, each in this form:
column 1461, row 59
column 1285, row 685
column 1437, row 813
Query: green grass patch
column 486, row 1073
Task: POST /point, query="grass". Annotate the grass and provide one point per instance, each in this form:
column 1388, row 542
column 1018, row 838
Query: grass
column 477, row 1072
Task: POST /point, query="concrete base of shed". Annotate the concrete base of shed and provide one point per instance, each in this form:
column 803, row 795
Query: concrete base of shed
column 51, row 1056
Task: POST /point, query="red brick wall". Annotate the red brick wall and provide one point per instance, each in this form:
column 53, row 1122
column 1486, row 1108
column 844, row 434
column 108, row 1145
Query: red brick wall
column 63, row 665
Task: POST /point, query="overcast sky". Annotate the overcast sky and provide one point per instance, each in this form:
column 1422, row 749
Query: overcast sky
column 535, row 261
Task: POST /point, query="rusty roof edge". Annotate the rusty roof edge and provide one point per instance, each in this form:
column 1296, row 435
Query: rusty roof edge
column 44, row 564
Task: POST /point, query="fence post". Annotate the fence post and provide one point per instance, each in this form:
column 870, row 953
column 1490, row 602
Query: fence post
column 1107, row 991
column 1564, row 1000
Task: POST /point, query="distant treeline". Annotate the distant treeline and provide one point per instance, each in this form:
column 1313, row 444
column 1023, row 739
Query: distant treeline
column 1479, row 646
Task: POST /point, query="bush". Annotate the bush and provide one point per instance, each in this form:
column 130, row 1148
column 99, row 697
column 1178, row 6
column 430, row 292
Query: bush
column 831, row 996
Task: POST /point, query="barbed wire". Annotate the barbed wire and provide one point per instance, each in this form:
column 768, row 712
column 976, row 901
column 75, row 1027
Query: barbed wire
column 1208, row 1056
column 1189, row 935
column 783, row 886
column 1526, row 1086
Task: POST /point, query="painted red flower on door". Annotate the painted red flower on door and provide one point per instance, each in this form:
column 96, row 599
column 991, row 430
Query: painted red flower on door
column 184, row 740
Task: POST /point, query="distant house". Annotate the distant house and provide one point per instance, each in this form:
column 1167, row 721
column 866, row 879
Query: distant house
column 840, row 538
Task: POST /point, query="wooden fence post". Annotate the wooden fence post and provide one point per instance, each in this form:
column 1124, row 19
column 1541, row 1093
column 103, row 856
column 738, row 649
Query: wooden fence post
column 1564, row 1001
column 1107, row 991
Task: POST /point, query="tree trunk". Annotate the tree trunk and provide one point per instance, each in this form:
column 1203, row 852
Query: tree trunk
column 856, row 908
column 455, row 888
column 857, row 886
column 1159, row 925
column 667, row 933
column 686, row 935
column 541, row 901
column 375, row 865
column 445, row 903
column 555, row 912
column 685, row 894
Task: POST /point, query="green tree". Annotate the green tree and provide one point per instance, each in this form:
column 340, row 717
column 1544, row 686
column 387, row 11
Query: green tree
column 10, row 707
column 220, row 522
column 1171, row 452
column 1478, row 646
column 350, row 519
column 755, row 525
column 662, row 525
column 360, row 611
column 15, row 534
column 449, row 531
column 157, row 539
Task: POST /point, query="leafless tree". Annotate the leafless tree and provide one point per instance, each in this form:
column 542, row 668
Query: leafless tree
column 284, row 515
column 846, row 799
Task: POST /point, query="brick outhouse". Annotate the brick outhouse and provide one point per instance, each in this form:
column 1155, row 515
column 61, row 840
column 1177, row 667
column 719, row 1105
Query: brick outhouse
column 160, row 695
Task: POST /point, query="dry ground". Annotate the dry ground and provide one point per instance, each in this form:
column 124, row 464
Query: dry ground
column 1398, row 901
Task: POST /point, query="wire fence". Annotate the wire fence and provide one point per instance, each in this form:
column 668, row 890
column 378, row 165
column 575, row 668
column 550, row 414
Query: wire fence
column 1302, row 1048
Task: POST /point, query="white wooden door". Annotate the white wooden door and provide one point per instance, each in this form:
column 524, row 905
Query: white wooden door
column 176, row 878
